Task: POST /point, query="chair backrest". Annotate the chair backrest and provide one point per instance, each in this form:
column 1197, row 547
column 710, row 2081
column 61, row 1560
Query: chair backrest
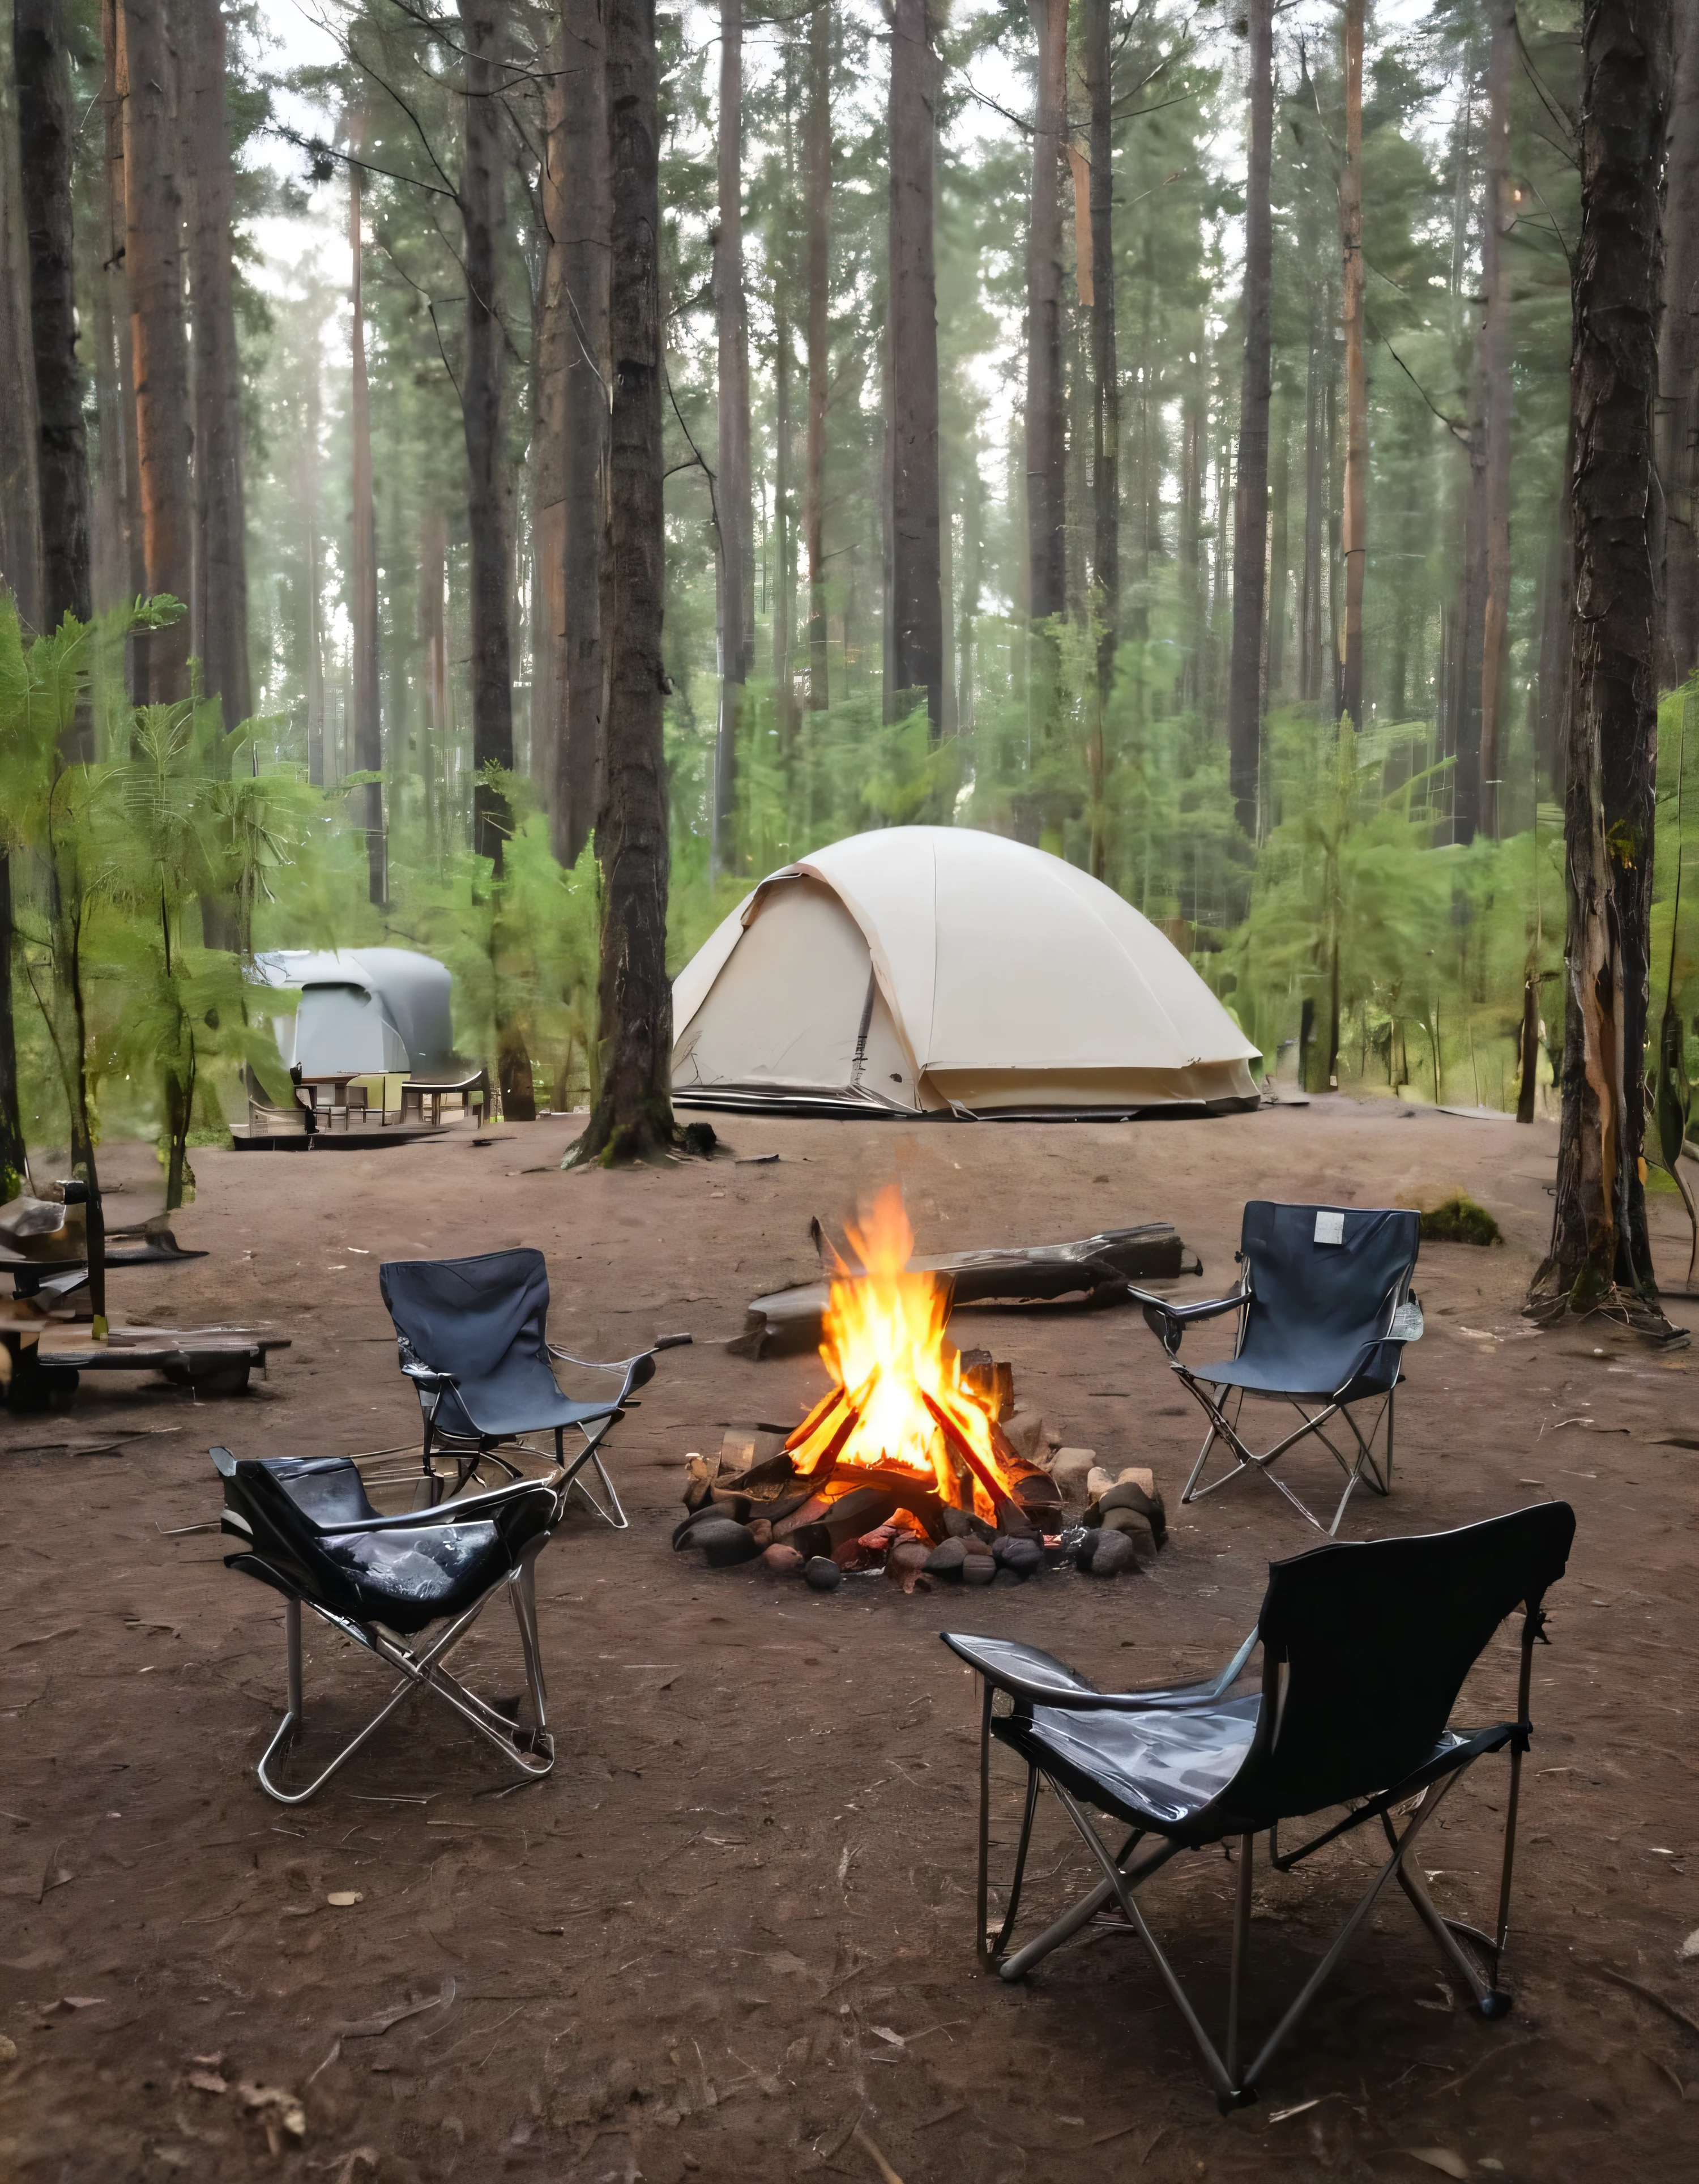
column 473, row 1317
column 1366, row 1645
column 1324, row 1303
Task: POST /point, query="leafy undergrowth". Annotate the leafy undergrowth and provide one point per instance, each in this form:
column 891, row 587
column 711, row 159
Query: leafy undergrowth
column 1459, row 1219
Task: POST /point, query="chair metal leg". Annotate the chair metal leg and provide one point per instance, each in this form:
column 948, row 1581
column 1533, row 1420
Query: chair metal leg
column 1241, row 1937
column 612, row 1514
column 988, row 1945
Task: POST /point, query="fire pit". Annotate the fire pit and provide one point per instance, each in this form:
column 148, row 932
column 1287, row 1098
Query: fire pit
column 903, row 1466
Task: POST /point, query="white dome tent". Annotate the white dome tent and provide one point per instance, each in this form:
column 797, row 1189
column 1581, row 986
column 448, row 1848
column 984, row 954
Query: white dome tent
column 938, row 970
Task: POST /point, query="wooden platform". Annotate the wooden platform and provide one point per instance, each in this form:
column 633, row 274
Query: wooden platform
column 360, row 1137
column 214, row 1360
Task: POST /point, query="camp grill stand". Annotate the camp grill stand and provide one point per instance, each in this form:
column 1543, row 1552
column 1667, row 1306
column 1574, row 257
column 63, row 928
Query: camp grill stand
column 1015, row 1680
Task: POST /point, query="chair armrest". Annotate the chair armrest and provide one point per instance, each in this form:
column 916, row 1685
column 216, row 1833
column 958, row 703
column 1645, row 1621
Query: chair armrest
column 1028, row 1674
column 421, row 1376
column 1169, row 1321
column 638, row 1371
column 466, row 1508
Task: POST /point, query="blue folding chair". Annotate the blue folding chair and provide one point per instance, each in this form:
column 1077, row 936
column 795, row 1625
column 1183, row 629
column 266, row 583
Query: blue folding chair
column 1324, row 1309
column 473, row 1339
column 1365, row 1648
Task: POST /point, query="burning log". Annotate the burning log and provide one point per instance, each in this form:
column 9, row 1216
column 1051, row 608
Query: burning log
column 1097, row 1268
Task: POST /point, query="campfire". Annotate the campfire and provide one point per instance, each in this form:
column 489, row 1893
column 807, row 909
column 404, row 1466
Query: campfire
column 904, row 1464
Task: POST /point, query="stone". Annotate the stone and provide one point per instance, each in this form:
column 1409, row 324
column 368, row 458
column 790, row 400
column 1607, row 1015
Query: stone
column 1137, row 1474
column 1008, row 1576
column 975, row 1545
column 977, row 1569
column 1136, row 1528
column 1098, row 1482
column 760, row 1531
column 1113, row 1553
column 1069, row 1469
column 1024, row 1431
column 946, row 1559
column 1026, row 1558
column 781, row 1561
column 821, row 1572
column 1127, row 1494
column 957, row 1524
column 724, row 1543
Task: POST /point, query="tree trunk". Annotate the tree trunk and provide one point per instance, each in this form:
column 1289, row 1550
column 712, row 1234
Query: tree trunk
column 632, row 1117
column 1355, row 513
column 573, row 424
column 1250, row 510
column 433, row 640
column 1105, row 381
column 20, row 527
column 1279, row 543
column 159, row 346
column 120, row 459
column 1189, row 534
column 736, row 591
column 1499, row 217
column 1046, row 418
column 1557, row 639
column 916, row 645
column 483, row 215
column 1310, row 651
column 46, row 145
column 784, row 541
column 1600, row 1251
column 220, row 634
column 818, row 155
column 367, row 724
column 1678, row 373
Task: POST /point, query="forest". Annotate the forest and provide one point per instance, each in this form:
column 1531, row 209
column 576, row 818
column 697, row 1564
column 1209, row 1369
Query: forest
column 1144, row 431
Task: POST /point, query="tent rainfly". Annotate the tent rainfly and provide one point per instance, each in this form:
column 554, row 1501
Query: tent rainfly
column 938, row 970
column 364, row 1010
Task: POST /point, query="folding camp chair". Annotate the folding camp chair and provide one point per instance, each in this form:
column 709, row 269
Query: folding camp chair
column 310, row 1532
column 1365, row 1648
column 1325, row 1309
column 473, row 1335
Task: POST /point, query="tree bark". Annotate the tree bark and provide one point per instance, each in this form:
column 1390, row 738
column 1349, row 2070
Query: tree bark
column 1279, row 542
column 1556, row 641
column 221, row 632
column 818, row 155
column 368, row 722
column 120, row 458
column 1677, row 375
column 735, row 596
column 632, row 1117
column 1046, row 416
column 1355, row 513
column 20, row 527
column 573, row 423
column 1499, row 217
column 1599, row 1253
column 916, row 648
column 1310, row 653
column 159, row 346
column 482, row 214
column 1250, row 508
column 1105, row 387
column 46, row 145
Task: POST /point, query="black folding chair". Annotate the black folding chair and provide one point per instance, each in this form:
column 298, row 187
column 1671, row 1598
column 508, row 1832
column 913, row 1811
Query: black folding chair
column 473, row 1339
column 1365, row 1648
column 309, row 1531
column 1325, row 1308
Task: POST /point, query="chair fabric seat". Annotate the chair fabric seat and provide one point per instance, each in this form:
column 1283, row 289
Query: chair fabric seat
column 419, row 1576
column 522, row 1398
column 1316, row 1378
column 1157, row 1770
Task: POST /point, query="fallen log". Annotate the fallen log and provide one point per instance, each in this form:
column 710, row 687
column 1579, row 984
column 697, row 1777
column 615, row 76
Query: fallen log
column 1097, row 1268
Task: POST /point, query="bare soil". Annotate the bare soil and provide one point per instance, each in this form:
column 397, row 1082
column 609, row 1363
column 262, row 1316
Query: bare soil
column 735, row 1925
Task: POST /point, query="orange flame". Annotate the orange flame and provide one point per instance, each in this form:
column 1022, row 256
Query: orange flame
column 885, row 1347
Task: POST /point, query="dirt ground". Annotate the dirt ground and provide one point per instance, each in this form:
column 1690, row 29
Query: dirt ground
column 733, row 1930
